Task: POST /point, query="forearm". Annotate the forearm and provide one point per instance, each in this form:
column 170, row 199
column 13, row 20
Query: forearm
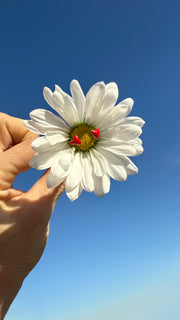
column 8, row 291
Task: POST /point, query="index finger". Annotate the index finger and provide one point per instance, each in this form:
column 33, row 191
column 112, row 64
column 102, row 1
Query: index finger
column 12, row 131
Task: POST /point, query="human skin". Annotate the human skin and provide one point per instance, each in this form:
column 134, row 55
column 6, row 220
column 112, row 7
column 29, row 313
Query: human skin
column 24, row 216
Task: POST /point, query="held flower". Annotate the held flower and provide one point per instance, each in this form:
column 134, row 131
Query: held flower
column 89, row 142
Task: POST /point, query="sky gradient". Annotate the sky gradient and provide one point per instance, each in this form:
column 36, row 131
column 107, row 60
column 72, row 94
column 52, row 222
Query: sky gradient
column 117, row 257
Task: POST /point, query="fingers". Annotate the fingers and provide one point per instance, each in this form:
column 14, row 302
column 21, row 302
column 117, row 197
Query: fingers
column 15, row 149
column 14, row 161
column 12, row 132
column 40, row 189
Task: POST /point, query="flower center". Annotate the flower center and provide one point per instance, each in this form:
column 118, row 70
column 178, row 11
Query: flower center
column 86, row 135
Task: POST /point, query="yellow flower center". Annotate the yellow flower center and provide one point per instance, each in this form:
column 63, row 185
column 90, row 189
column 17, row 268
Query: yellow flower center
column 85, row 135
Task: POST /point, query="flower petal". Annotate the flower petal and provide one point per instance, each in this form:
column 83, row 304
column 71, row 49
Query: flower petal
column 47, row 93
column 125, row 107
column 106, row 183
column 118, row 147
column 99, row 163
column 116, row 160
column 71, row 109
column 58, row 171
column 35, row 127
column 48, row 119
column 63, row 163
column 102, row 185
column 78, row 98
column 61, row 108
column 87, row 178
column 139, row 149
column 54, row 137
column 133, row 120
column 114, row 117
column 117, row 172
column 74, row 193
column 123, row 132
column 43, row 160
column 66, row 108
column 109, row 99
column 94, row 101
column 75, row 174
column 40, row 144
column 53, row 181
column 110, row 95
column 58, row 89
column 137, row 145
column 66, row 158
column 129, row 165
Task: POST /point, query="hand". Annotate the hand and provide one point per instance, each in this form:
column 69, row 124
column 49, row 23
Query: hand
column 24, row 216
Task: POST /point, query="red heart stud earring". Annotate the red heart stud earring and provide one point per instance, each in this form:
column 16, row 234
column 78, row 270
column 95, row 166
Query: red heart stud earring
column 96, row 133
column 75, row 141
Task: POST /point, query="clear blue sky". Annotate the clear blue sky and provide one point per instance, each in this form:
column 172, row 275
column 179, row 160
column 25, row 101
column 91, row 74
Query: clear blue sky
column 117, row 257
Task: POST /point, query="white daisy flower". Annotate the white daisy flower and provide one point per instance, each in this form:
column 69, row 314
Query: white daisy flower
column 89, row 142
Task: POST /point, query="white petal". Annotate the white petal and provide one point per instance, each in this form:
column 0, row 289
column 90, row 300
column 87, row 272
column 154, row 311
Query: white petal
column 112, row 156
column 71, row 109
column 102, row 185
column 66, row 158
column 53, row 181
column 58, row 100
column 54, row 137
column 78, row 98
column 118, row 147
column 103, row 119
column 75, row 174
column 94, row 101
column 58, row 171
column 60, row 107
column 47, row 93
column 129, row 165
column 99, row 163
column 62, row 165
column 40, row 144
column 109, row 156
column 133, row 120
column 58, row 89
column 87, row 178
column 122, row 109
column 74, row 193
column 116, row 115
column 106, row 183
column 123, row 132
column 35, row 127
column 65, row 108
column 125, row 106
column 43, row 160
column 108, row 101
column 44, row 120
column 110, row 95
column 117, row 172
column 138, row 141
column 139, row 149
column 137, row 145
column 116, row 160
column 48, row 119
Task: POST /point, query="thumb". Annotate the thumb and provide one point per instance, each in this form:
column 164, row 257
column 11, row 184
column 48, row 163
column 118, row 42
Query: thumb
column 14, row 161
column 46, row 197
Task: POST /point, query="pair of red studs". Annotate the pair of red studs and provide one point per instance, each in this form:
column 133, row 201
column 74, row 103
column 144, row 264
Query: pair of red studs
column 75, row 140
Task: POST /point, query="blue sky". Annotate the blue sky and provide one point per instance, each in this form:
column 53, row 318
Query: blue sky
column 116, row 257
